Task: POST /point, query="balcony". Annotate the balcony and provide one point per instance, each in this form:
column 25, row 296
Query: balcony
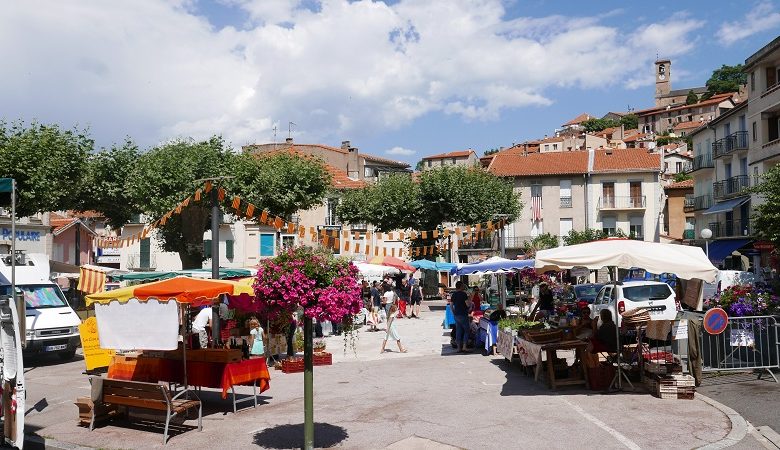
column 734, row 142
column 731, row 187
column 702, row 202
column 622, row 202
column 565, row 202
column 516, row 242
column 689, row 203
column 730, row 228
column 478, row 244
column 700, row 162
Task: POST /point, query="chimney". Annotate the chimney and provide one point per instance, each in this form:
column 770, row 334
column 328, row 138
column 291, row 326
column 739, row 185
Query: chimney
column 288, row 140
column 345, row 145
column 608, row 150
column 525, row 149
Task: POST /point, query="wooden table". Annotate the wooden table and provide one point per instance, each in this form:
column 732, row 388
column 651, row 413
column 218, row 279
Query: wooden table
column 579, row 348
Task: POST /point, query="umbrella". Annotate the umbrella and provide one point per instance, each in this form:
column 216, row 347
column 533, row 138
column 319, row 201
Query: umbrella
column 375, row 270
column 391, row 261
column 194, row 291
column 432, row 265
column 493, row 265
column 685, row 261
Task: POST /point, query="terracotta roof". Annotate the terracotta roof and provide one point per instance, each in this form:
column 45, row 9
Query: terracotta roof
column 60, row 224
column 539, row 164
column 302, row 148
column 689, row 125
column 715, row 99
column 340, row 180
column 606, row 131
column 579, row 119
column 457, row 154
column 635, row 137
column 687, row 184
column 626, row 160
column 551, row 139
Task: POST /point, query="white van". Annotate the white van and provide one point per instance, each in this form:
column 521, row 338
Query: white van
column 726, row 279
column 51, row 324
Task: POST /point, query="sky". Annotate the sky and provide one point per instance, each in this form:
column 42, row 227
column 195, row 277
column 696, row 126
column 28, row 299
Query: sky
column 400, row 79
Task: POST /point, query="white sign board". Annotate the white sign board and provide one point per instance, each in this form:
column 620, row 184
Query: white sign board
column 742, row 338
column 680, row 330
column 579, row 271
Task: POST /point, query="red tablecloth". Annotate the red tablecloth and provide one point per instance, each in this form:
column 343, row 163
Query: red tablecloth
column 199, row 373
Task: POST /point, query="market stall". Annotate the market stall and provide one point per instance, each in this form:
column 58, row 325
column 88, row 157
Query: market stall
column 146, row 319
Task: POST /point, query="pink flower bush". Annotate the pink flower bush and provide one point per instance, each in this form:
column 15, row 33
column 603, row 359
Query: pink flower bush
column 325, row 287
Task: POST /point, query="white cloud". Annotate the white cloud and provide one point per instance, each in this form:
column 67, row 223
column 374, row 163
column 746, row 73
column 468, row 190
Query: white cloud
column 339, row 69
column 761, row 18
column 400, row 151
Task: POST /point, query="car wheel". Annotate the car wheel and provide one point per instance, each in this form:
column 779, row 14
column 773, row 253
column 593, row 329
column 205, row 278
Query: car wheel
column 67, row 355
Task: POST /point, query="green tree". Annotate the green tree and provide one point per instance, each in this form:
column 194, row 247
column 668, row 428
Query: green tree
column 591, row 234
column 766, row 221
column 419, row 166
column 105, row 179
column 540, row 242
column 166, row 175
column 596, row 125
column 391, row 204
column 725, row 79
column 692, row 98
column 682, row 176
column 47, row 163
column 491, row 151
column 630, row 121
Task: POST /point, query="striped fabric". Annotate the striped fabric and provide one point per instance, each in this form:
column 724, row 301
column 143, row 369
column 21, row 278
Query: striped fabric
column 536, row 208
column 91, row 280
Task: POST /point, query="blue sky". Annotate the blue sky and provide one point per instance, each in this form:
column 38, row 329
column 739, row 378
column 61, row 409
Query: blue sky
column 400, row 79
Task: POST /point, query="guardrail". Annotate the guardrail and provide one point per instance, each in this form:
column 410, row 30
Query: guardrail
column 747, row 343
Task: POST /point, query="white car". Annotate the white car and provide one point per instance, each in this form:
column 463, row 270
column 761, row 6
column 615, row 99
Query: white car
column 634, row 294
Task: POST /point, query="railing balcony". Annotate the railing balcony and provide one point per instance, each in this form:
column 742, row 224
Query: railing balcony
column 516, row 242
column 731, row 187
column 689, row 234
column 565, row 202
column 689, row 203
column 622, row 202
column 730, row 228
column 700, row 162
column 702, row 202
column 717, row 149
column 477, row 244
column 731, row 143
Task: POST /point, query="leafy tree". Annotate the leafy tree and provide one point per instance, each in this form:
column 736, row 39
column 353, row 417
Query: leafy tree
column 419, row 166
column 540, row 242
column 725, row 79
column 281, row 183
column 491, row 151
column 391, row 204
column 682, row 176
column 588, row 235
column 104, row 183
column 164, row 176
column 47, row 163
column 692, row 98
column 596, row 125
column 630, row 121
column 766, row 222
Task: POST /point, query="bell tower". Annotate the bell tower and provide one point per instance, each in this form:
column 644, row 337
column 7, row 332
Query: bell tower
column 663, row 81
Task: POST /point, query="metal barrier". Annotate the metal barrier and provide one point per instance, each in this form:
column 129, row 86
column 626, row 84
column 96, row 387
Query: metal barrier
column 747, row 343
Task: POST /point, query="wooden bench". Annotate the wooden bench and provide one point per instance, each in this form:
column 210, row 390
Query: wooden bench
column 136, row 394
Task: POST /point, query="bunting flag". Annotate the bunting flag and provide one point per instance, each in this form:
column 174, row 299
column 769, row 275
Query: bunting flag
column 250, row 210
column 278, row 222
column 400, row 235
column 390, row 236
column 197, row 195
column 91, row 280
column 326, row 240
column 236, row 203
column 436, row 234
column 337, row 243
column 290, row 228
column 301, row 231
column 221, row 195
column 207, row 187
column 264, row 216
column 424, row 235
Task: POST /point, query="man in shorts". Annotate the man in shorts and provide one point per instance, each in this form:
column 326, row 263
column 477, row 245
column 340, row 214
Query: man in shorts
column 415, row 298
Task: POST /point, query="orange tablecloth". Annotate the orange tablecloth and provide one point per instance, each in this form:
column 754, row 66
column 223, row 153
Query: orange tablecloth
column 199, row 373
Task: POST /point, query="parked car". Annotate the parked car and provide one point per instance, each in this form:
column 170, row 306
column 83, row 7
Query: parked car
column 634, row 294
column 587, row 292
column 726, row 279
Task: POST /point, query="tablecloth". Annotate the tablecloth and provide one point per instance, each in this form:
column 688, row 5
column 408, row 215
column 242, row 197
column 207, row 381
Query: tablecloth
column 490, row 332
column 449, row 318
column 530, row 354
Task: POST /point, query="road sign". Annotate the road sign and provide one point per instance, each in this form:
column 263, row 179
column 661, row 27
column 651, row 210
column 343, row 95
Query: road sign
column 715, row 321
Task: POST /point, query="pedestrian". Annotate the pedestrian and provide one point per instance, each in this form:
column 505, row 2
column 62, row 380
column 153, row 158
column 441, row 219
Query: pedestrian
column 416, row 298
column 404, row 297
column 460, row 310
column 256, row 338
column 388, row 300
column 365, row 292
column 376, row 303
column 200, row 324
column 392, row 333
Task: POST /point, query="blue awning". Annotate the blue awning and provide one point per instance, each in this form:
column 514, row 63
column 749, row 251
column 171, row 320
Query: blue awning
column 719, row 250
column 726, row 206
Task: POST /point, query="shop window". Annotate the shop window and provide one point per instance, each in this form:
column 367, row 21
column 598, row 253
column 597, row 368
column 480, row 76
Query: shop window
column 609, row 226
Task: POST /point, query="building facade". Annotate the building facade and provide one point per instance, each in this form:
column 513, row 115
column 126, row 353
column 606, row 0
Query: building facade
column 459, row 158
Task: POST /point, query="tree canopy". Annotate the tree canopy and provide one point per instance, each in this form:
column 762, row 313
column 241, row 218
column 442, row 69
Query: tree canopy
column 591, row 234
column 105, row 181
column 629, row 122
column 766, row 222
column 47, row 163
column 692, row 98
column 725, row 79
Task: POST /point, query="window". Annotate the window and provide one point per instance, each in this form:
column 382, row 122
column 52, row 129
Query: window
column 698, row 148
column 288, row 241
column 727, row 171
column 145, row 253
column 752, row 81
column 555, row 147
column 206, row 250
column 743, row 166
column 454, row 161
column 755, row 132
column 267, row 244
column 608, row 192
column 609, row 225
column 565, row 187
column 430, row 163
column 229, row 244
column 647, row 292
column 566, row 226
column 635, row 227
column 678, row 167
column 536, row 190
column 331, row 218
column 546, row 147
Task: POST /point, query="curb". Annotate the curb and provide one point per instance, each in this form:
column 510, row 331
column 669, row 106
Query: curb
column 739, row 426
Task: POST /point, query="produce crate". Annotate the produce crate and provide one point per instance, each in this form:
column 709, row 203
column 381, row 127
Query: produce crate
column 292, row 365
column 323, row 359
column 544, row 337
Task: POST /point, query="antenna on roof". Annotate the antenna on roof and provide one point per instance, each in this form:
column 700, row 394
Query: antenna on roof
column 275, row 129
column 289, row 128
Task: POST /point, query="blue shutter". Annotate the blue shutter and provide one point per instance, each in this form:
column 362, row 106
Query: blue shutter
column 207, row 248
column 145, row 253
column 266, row 244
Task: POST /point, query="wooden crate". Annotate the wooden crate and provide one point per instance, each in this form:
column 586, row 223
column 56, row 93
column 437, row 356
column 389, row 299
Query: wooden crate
column 85, row 406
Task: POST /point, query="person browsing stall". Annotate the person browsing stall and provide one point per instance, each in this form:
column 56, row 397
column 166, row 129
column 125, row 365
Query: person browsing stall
column 256, row 338
column 460, row 310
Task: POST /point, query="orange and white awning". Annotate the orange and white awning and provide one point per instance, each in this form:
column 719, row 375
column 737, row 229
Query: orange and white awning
column 92, row 279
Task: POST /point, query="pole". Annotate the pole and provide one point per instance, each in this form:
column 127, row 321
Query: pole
column 215, row 261
column 707, row 248
column 308, row 384
column 502, row 253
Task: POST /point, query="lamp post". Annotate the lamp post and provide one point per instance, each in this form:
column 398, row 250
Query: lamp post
column 706, row 234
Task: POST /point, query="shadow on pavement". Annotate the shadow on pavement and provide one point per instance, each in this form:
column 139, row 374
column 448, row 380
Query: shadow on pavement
column 291, row 436
column 43, row 360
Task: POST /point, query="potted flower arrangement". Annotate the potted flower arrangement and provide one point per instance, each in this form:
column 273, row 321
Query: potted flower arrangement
column 741, row 301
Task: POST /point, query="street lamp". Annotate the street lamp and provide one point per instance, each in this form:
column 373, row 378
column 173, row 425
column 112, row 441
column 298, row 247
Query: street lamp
column 706, row 234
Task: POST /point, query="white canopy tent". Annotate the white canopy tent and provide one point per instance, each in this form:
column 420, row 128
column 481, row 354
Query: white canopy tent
column 372, row 272
column 687, row 262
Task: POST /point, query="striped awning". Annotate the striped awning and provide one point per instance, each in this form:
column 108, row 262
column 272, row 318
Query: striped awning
column 91, row 280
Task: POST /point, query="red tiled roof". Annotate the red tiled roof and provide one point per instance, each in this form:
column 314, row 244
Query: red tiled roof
column 635, row 137
column 689, row 125
column 551, row 139
column 539, row 164
column 456, row 154
column 687, row 184
column 60, row 224
column 579, row 119
column 301, row 150
column 715, row 99
column 626, row 160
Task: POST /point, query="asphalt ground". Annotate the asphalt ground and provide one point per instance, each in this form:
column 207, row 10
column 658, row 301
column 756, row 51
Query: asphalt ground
column 429, row 397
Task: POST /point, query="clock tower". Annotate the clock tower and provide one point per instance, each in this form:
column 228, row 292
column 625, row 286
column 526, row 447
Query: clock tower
column 663, row 82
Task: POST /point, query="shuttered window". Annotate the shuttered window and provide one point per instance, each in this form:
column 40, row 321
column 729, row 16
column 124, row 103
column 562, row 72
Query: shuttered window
column 207, row 248
column 145, row 254
column 229, row 249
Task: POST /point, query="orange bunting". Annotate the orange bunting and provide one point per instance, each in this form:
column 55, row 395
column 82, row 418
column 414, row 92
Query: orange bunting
column 290, row 228
column 264, row 216
column 436, row 234
column 207, row 187
column 325, row 240
column 236, row 202
column 250, row 210
column 221, row 195
column 278, row 222
column 301, row 232
column 346, row 246
column 186, row 202
column 424, row 235
column 197, row 195
column 390, row 236
column 400, row 235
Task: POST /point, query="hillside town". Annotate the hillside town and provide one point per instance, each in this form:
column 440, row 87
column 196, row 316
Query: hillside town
column 611, row 279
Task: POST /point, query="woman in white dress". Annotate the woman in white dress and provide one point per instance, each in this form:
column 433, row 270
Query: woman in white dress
column 392, row 333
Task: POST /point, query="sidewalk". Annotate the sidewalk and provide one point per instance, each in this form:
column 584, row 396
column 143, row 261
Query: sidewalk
column 427, row 398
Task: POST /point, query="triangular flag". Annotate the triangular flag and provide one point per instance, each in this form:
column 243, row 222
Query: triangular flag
column 400, row 235
column 197, row 195
column 346, row 246
column 390, row 236
column 436, row 234
column 221, row 195
column 337, row 244
column 301, row 231
column 424, row 235
column 325, row 240
column 207, row 187
column 290, row 228
column 357, row 247
column 250, row 210
column 278, row 222
column 186, row 202
column 236, row 202
column 264, row 216
column 413, row 235
column 178, row 208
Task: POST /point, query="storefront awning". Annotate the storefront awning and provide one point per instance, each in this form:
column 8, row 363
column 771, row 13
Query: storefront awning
column 726, row 206
column 719, row 250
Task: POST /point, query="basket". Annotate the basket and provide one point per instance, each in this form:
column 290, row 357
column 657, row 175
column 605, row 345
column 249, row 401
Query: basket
column 544, row 337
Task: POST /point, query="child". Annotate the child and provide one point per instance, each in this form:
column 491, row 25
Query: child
column 256, row 335
column 392, row 333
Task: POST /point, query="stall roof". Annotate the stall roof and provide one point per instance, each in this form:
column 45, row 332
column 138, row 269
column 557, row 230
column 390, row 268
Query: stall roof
column 195, row 273
column 719, row 250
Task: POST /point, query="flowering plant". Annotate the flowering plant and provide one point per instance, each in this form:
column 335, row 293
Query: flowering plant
column 323, row 286
column 740, row 301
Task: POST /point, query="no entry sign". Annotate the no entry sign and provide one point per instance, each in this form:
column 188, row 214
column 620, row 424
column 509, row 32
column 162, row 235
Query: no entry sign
column 715, row 321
